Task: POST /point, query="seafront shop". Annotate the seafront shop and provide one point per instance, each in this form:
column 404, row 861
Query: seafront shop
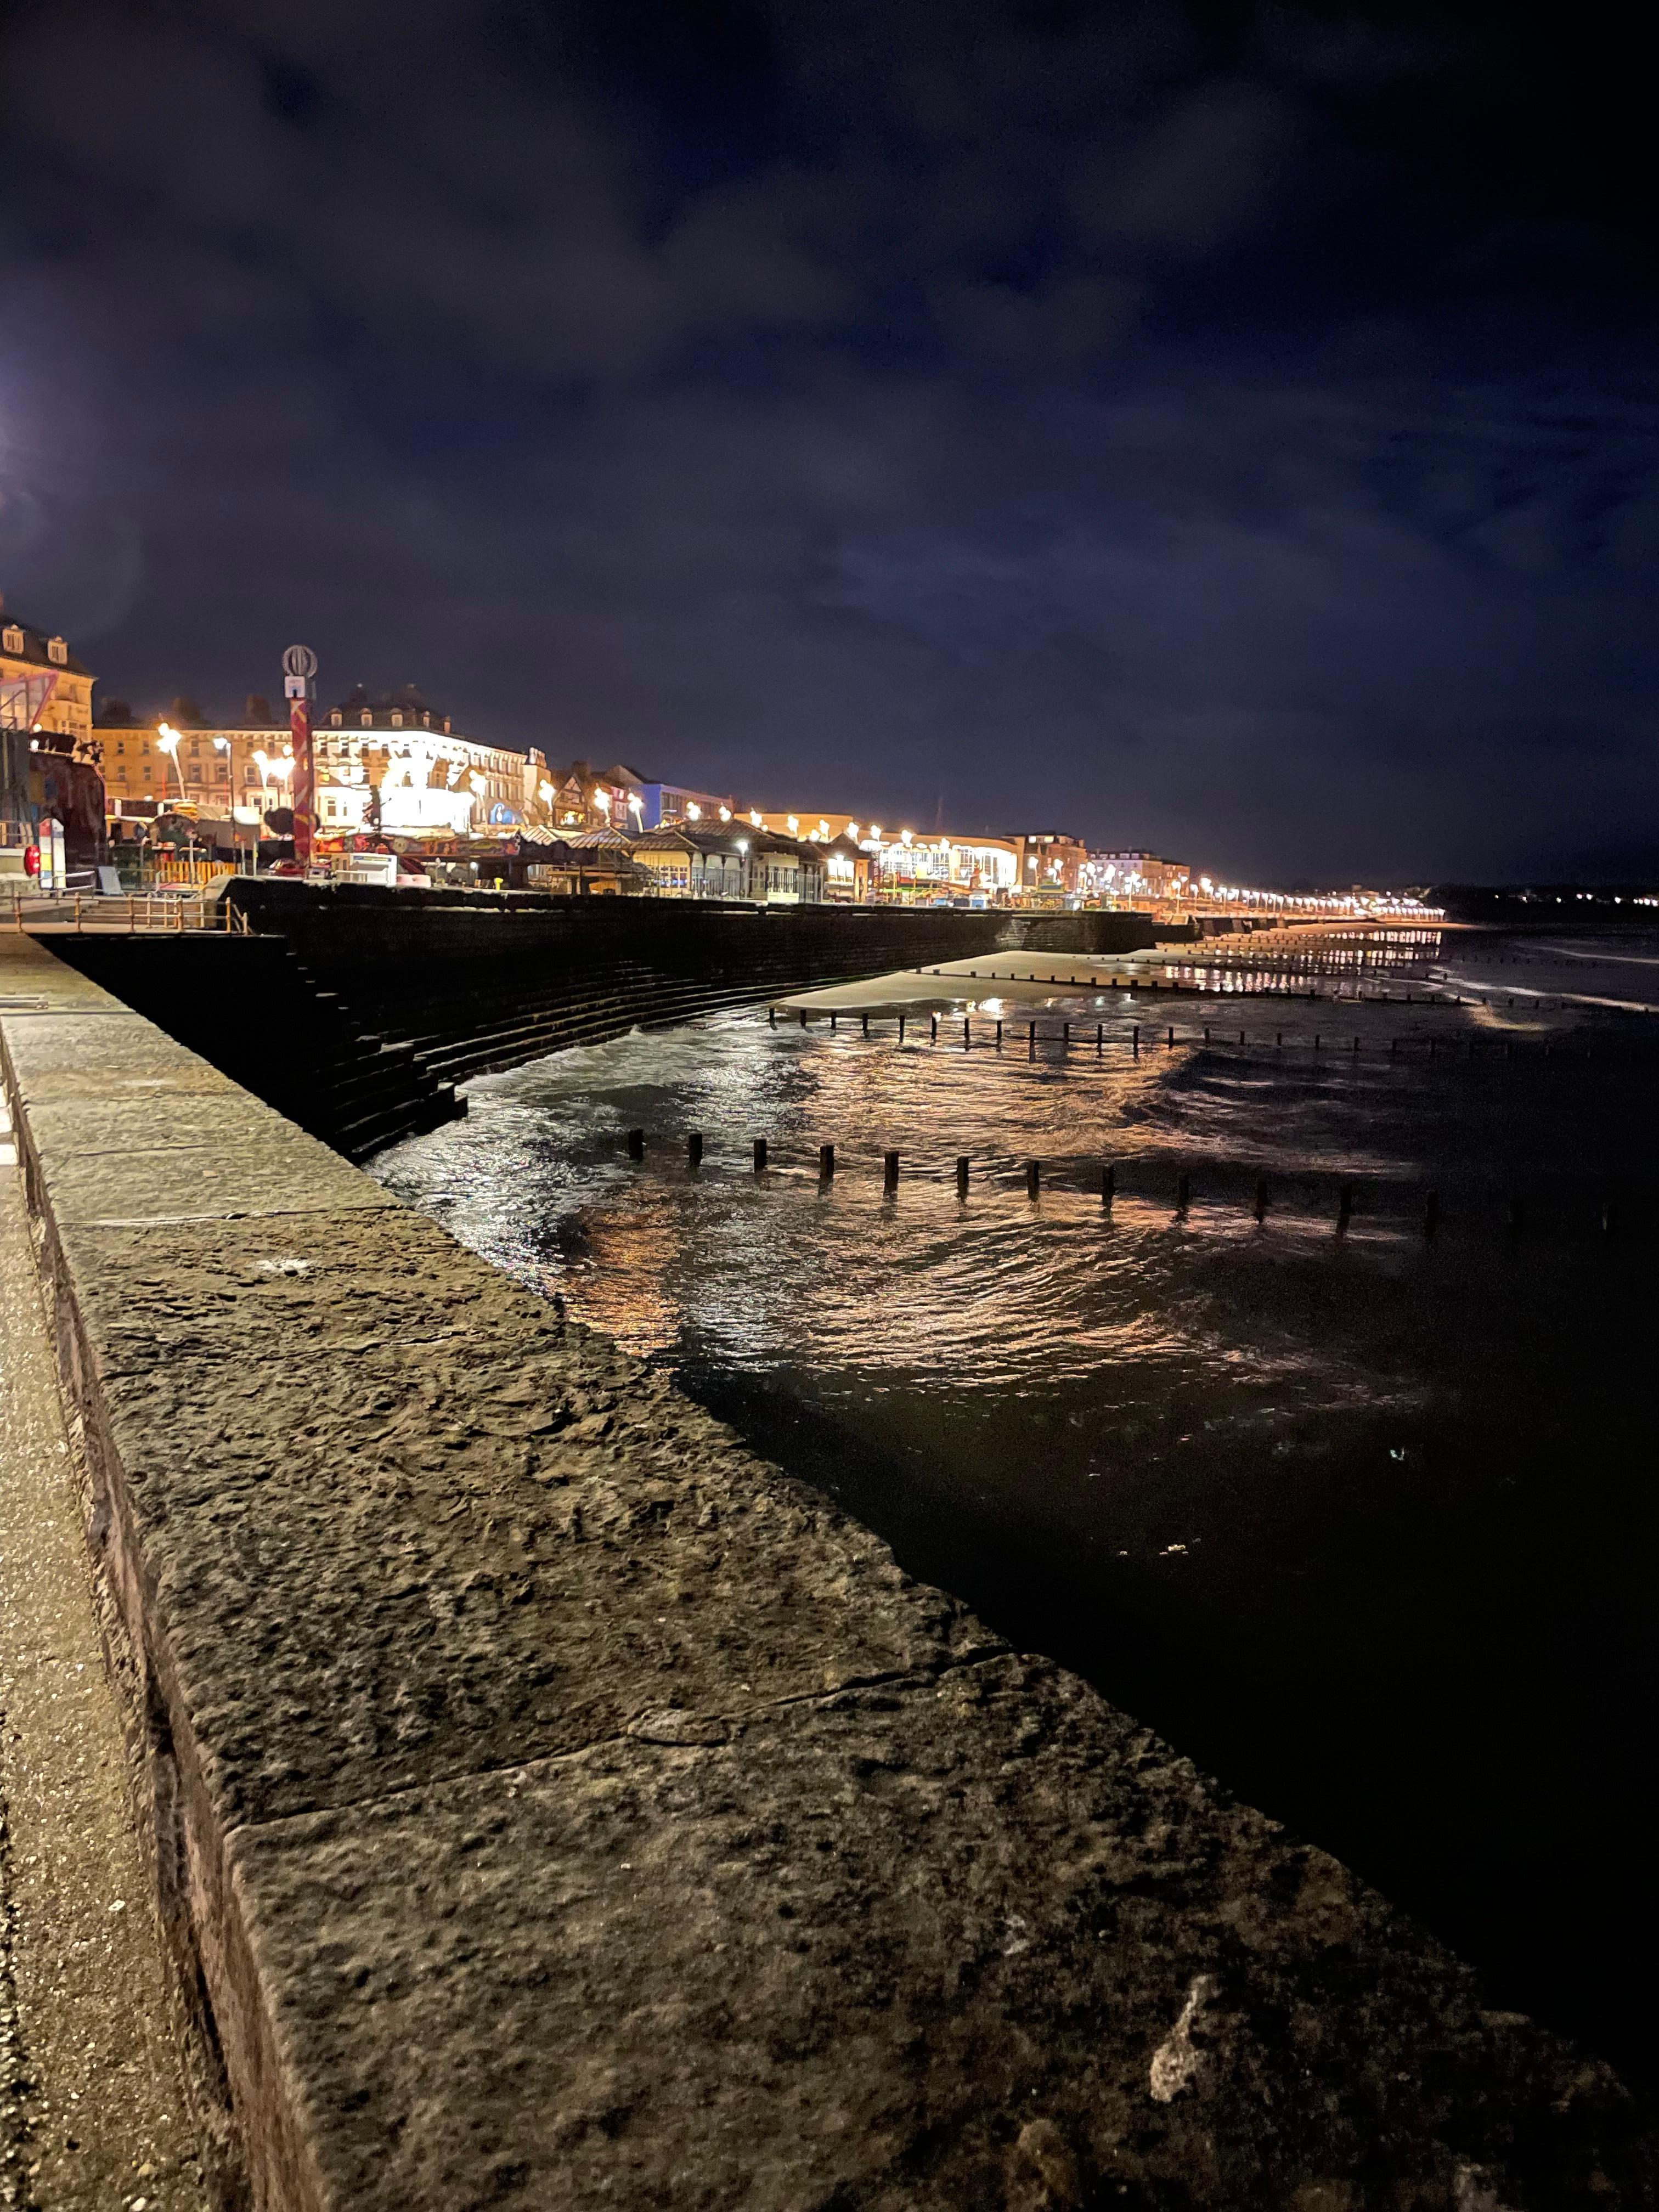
column 738, row 861
column 866, row 860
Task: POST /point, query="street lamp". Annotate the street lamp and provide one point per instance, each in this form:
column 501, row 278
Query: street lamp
column 168, row 738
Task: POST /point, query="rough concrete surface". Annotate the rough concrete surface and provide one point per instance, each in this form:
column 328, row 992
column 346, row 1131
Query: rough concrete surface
column 92, row 2088
column 559, row 1806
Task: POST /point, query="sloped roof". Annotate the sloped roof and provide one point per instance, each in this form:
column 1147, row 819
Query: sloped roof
column 716, row 844
column 35, row 643
column 409, row 700
column 707, row 841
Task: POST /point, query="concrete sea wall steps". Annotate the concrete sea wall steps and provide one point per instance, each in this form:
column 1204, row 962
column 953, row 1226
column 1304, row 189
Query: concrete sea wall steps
column 553, row 1805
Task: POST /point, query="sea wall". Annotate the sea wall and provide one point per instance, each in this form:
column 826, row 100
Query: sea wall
column 553, row 1804
column 687, row 932
column 356, row 1010
column 481, row 980
column 251, row 1006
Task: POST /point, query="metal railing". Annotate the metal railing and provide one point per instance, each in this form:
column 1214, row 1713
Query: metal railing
column 184, row 873
column 176, row 910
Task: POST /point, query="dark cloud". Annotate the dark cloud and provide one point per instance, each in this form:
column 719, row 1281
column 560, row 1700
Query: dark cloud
column 1230, row 428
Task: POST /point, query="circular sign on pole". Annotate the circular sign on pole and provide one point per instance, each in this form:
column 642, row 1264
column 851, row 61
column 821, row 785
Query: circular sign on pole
column 301, row 664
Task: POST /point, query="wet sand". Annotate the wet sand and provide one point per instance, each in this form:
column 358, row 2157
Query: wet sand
column 993, row 980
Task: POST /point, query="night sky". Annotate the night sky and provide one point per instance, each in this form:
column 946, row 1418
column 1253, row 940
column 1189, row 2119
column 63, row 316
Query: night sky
column 1231, row 431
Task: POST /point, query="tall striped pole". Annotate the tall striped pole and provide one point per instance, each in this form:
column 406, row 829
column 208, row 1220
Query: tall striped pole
column 299, row 666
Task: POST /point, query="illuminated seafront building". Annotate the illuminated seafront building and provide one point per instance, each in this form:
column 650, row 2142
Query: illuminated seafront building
column 1133, row 874
column 49, row 753
column 581, row 798
column 44, row 691
column 739, row 861
column 45, row 687
column 388, row 766
column 1051, row 864
column 392, row 765
column 908, row 866
column 619, row 798
column 210, row 767
column 666, row 805
column 900, row 864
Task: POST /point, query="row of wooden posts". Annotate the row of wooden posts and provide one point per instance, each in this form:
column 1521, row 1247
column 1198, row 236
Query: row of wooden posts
column 1133, row 983
column 1515, row 1214
column 1063, row 1036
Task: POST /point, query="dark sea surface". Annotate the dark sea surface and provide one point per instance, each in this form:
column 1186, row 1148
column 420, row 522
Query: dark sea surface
column 1364, row 1521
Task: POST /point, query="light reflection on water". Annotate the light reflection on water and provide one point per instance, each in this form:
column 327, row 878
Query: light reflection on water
column 1352, row 1518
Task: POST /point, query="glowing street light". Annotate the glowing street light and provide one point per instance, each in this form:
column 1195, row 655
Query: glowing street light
column 168, row 737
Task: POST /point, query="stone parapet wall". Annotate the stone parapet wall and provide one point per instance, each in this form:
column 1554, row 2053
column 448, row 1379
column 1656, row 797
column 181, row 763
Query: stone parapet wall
column 694, row 930
column 555, row 1805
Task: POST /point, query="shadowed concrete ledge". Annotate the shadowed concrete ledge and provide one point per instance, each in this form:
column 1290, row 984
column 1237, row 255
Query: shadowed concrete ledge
column 555, row 1805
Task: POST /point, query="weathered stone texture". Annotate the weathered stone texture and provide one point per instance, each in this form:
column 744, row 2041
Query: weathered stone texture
column 915, row 1945
column 572, row 1810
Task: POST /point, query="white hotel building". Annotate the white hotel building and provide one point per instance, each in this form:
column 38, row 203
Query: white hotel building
column 394, row 756
column 391, row 753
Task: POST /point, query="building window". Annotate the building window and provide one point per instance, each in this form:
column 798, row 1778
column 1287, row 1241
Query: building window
column 367, row 718
column 335, row 717
column 120, row 745
column 396, row 722
column 12, row 638
column 57, row 651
